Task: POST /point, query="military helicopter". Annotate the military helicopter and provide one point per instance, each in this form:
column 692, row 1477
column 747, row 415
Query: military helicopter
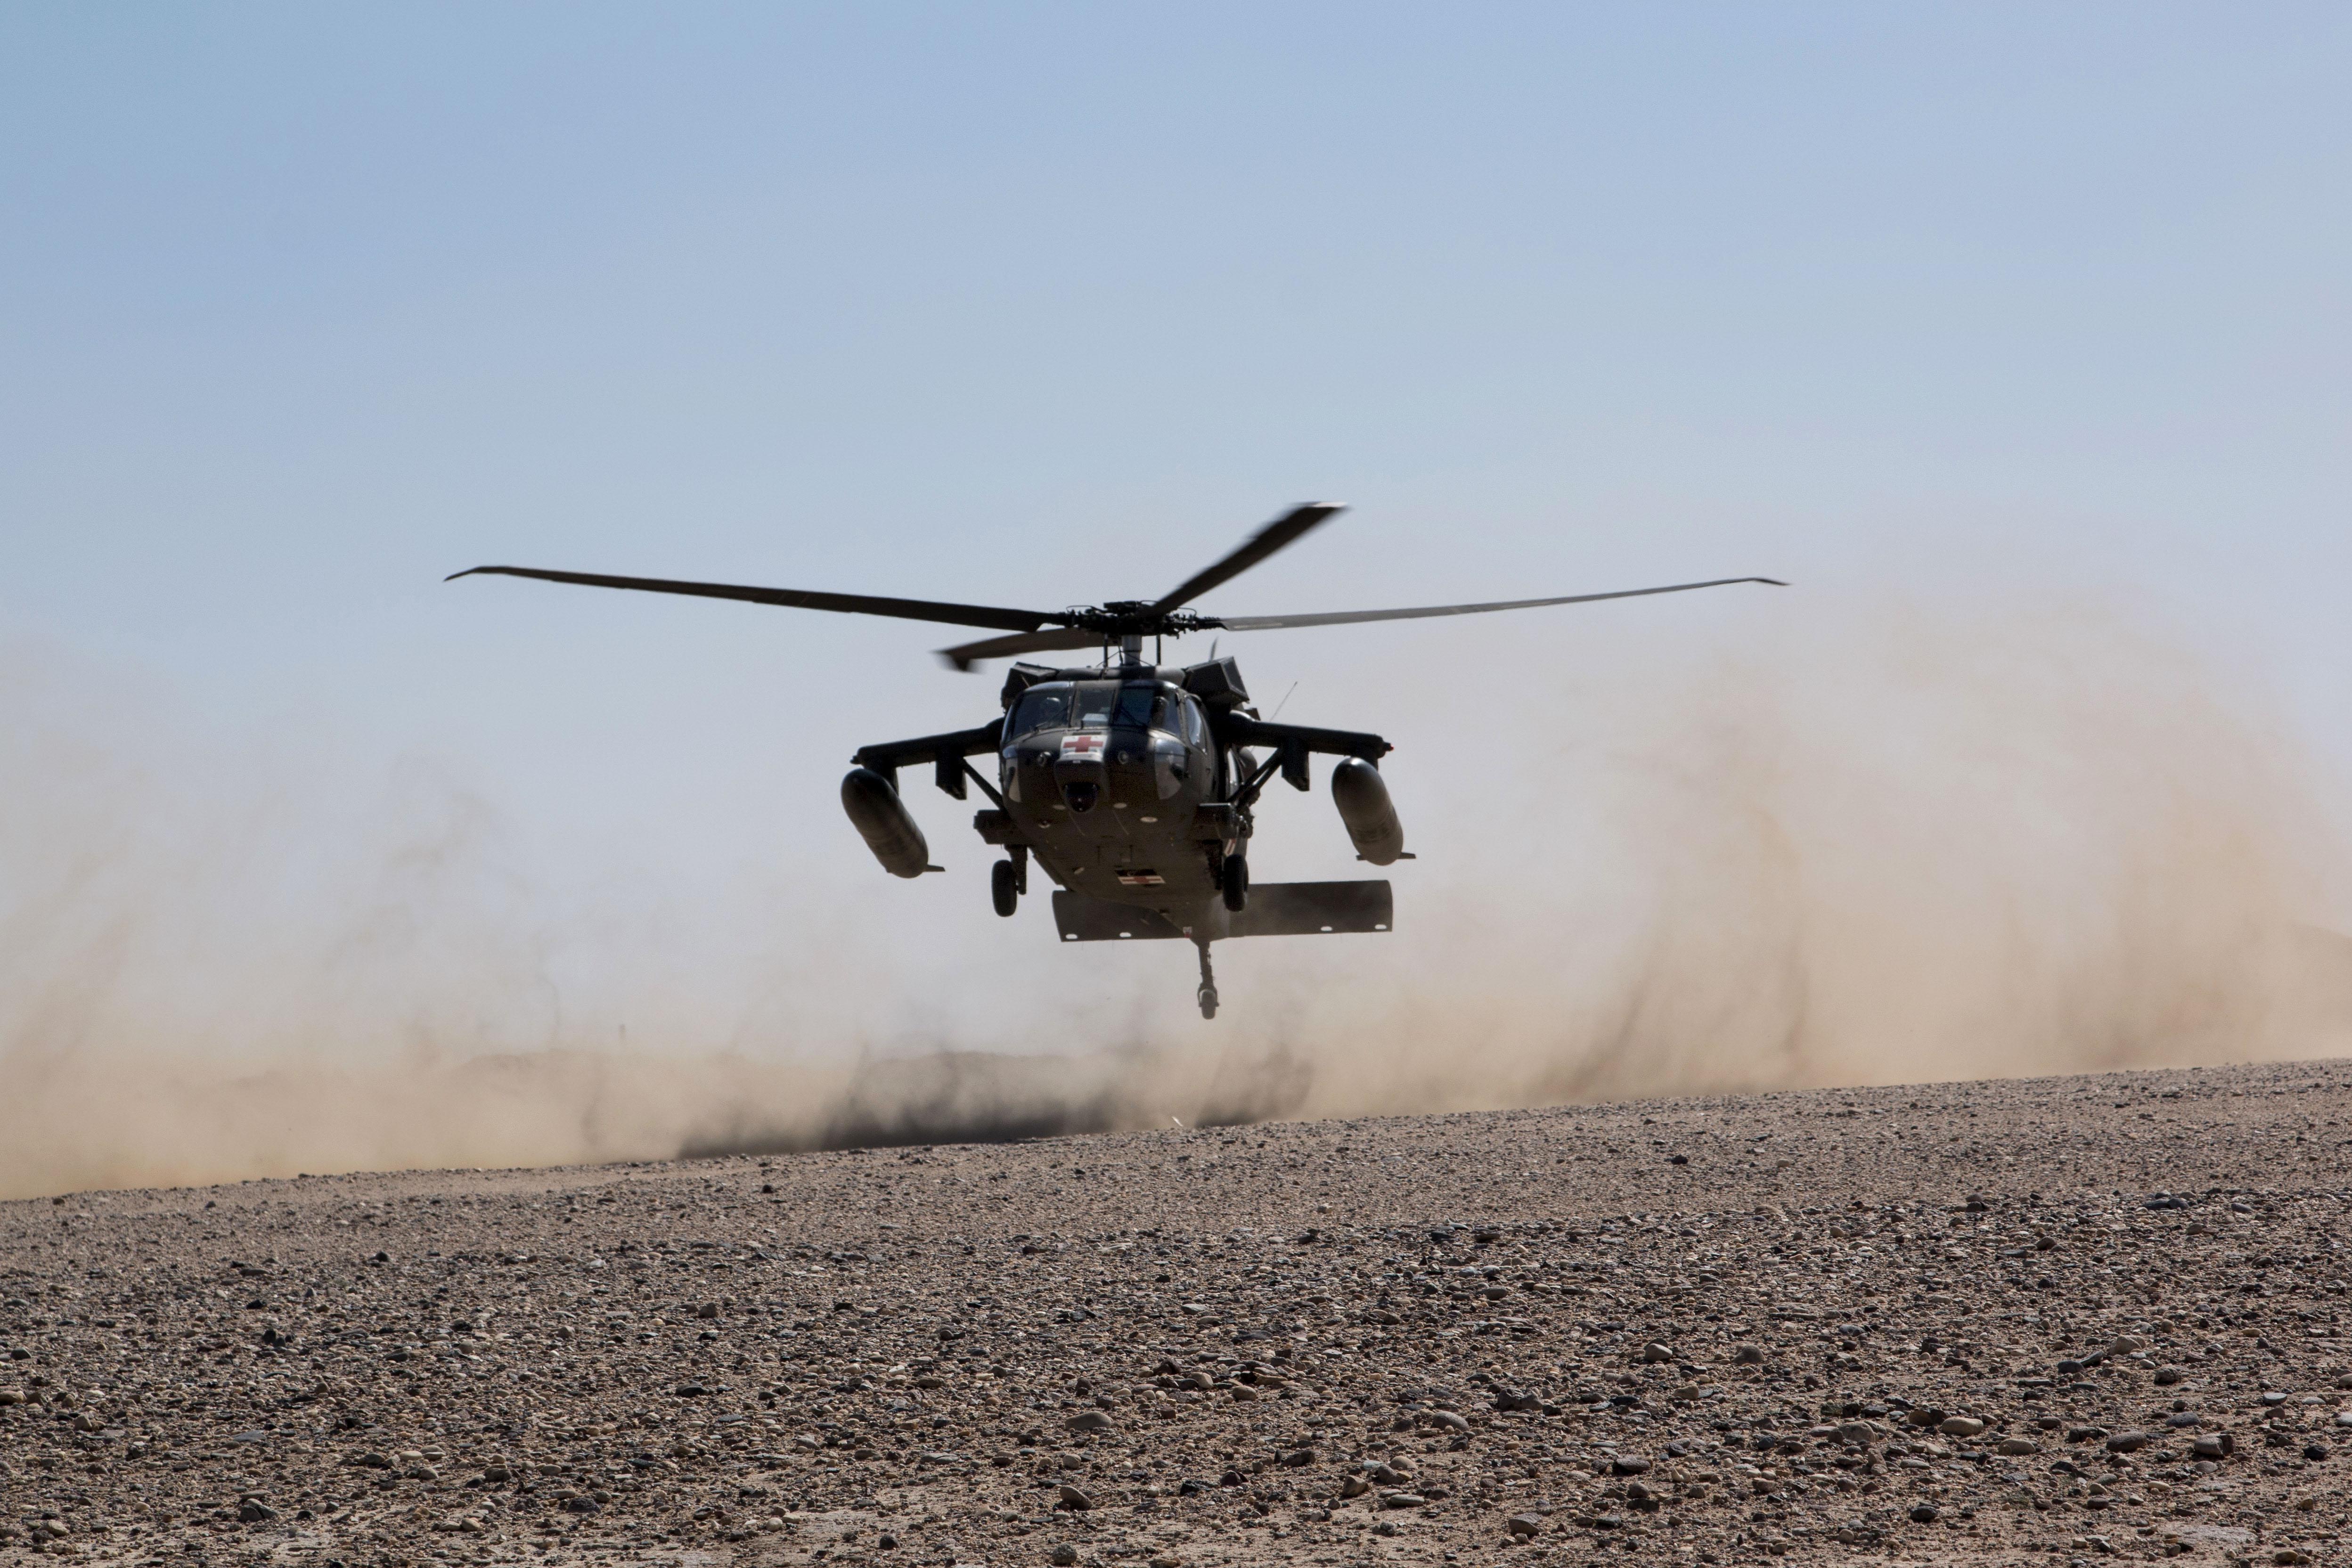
column 1132, row 783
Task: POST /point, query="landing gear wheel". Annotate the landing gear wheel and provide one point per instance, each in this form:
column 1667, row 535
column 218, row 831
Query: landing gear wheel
column 1208, row 983
column 1236, row 880
column 1005, row 886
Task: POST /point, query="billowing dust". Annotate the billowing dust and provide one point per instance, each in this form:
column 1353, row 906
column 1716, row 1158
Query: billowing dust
column 1907, row 850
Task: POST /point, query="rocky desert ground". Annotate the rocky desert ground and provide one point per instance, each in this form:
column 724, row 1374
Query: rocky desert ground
column 2037, row 1321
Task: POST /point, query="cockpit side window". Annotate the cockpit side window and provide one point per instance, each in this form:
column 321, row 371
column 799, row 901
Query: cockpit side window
column 1041, row 708
column 1195, row 729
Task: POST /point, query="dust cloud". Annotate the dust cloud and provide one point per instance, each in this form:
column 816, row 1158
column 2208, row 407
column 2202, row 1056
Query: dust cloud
column 1911, row 849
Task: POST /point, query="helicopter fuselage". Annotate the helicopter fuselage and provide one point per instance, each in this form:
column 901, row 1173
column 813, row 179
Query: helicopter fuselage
column 1105, row 781
column 1129, row 786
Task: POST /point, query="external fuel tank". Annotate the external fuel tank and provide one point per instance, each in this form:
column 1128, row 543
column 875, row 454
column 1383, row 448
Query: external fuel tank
column 881, row 819
column 1362, row 797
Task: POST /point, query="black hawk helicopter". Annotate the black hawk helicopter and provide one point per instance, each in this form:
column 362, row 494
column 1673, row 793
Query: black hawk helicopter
column 1131, row 784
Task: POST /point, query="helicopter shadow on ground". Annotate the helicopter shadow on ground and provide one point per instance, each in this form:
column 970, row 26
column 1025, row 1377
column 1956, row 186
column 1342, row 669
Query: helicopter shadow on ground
column 980, row 1097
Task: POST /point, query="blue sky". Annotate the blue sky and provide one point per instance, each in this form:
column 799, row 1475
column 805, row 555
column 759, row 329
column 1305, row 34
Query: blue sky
column 301, row 310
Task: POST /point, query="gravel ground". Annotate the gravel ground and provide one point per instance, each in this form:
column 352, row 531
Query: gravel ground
column 1964, row 1322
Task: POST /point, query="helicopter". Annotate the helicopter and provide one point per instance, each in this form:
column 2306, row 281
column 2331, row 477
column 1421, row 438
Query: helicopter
column 1133, row 784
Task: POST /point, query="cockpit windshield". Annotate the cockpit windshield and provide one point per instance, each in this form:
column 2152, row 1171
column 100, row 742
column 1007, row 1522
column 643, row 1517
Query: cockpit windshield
column 1102, row 704
column 1041, row 708
column 1142, row 706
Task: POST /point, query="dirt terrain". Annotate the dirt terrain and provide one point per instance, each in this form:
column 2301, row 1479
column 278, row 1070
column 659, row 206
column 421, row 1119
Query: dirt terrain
column 2033, row 1321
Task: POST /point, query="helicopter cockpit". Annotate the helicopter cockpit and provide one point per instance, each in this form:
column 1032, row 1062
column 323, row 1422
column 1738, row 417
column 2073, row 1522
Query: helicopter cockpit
column 1102, row 705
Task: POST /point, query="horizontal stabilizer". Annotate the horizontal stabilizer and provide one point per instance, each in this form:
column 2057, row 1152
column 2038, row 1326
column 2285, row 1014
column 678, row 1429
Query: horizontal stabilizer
column 1276, row 909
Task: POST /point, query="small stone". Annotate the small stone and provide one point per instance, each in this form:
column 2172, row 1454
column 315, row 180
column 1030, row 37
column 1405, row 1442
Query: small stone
column 1062, row 1556
column 2128, row 1442
column 1525, row 1523
column 1092, row 1421
column 1403, row 1499
column 1748, row 1355
column 1244, row 1394
column 1070, row 1497
column 1924, row 1513
column 2017, row 1447
column 1449, row 1420
column 2213, row 1446
column 2314, row 1452
column 2166, row 1376
column 1960, row 1427
column 1655, row 1353
column 1629, row 1465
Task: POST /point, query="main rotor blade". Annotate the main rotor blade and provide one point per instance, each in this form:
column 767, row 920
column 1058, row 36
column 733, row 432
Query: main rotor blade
column 1351, row 617
column 1284, row 529
column 1028, row 642
column 792, row 598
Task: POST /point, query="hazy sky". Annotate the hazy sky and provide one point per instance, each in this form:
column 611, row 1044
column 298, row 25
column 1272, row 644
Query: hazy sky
column 302, row 309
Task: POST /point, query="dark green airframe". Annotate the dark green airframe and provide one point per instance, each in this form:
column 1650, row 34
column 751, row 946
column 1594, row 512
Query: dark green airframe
column 1131, row 784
